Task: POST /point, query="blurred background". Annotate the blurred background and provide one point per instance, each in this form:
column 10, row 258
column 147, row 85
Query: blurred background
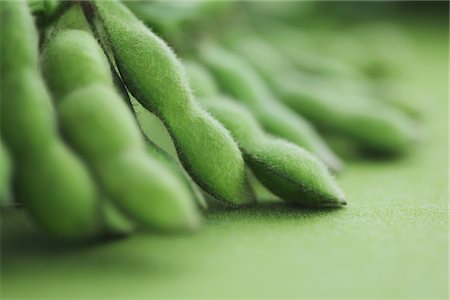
column 362, row 60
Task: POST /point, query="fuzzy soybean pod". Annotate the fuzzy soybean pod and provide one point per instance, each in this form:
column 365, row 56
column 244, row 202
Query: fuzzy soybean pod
column 329, row 105
column 156, row 78
column 112, row 220
column 373, row 125
column 49, row 178
column 139, row 184
column 143, row 188
column 238, row 79
column 285, row 169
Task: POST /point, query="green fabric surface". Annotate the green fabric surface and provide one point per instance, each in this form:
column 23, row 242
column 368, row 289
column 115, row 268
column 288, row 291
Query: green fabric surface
column 390, row 241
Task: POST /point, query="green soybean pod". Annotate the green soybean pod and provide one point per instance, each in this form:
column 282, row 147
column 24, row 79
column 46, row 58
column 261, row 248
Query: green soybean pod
column 5, row 176
column 285, row 169
column 146, row 190
column 143, row 188
column 49, row 178
column 156, row 78
column 238, row 78
column 113, row 221
column 331, row 106
column 372, row 124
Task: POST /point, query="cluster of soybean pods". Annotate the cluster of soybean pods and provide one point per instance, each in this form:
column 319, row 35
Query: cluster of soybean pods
column 76, row 87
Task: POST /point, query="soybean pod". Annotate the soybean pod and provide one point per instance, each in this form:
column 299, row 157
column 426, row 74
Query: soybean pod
column 285, row 169
column 113, row 221
column 49, row 178
column 156, row 78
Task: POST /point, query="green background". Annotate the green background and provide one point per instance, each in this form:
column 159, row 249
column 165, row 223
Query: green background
column 390, row 241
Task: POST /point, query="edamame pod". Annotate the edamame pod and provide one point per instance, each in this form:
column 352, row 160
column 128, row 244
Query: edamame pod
column 145, row 189
column 142, row 187
column 113, row 221
column 284, row 168
column 156, row 78
column 372, row 124
column 243, row 83
column 49, row 178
